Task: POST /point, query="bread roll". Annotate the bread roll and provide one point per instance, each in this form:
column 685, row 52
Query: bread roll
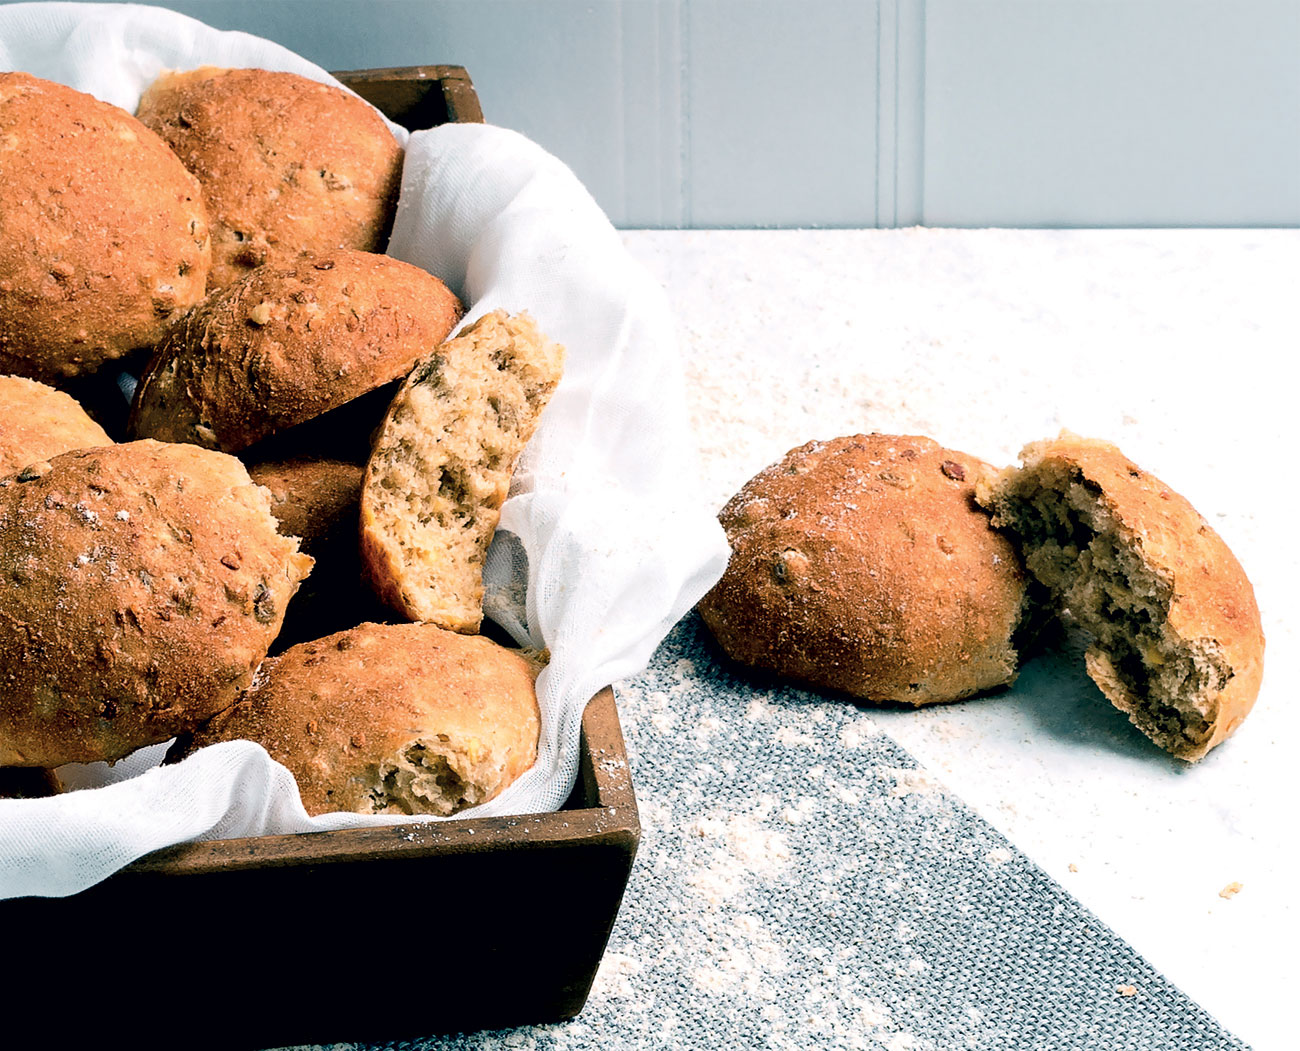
column 140, row 586
column 861, row 564
column 390, row 719
column 288, row 343
column 37, row 422
column 312, row 498
column 287, row 165
column 317, row 501
column 103, row 233
column 442, row 462
column 1178, row 645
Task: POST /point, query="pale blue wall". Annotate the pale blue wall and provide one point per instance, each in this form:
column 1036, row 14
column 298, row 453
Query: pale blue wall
column 848, row 113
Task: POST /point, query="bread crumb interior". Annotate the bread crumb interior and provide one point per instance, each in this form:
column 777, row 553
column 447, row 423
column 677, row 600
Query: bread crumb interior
column 441, row 470
column 1072, row 543
column 428, row 776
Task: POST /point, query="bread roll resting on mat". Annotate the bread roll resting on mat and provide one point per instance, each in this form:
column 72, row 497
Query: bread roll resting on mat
column 1177, row 640
column 103, row 233
column 862, row 564
column 389, row 719
column 441, row 466
column 140, row 587
column 287, row 165
column 37, row 422
column 289, row 343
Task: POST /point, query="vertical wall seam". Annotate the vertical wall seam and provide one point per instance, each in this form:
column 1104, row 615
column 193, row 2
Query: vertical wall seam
column 898, row 87
column 625, row 192
column 685, row 201
column 876, row 173
column 920, row 120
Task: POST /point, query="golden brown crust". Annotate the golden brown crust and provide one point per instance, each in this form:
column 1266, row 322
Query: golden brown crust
column 317, row 501
column 1210, row 602
column 310, row 498
column 104, row 236
column 37, row 422
column 861, row 564
column 288, row 343
column 287, row 165
column 352, row 716
column 441, row 466
column 140, row 586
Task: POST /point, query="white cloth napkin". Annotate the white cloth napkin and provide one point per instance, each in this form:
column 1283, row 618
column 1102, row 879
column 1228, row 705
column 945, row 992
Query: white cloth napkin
column 598, row 553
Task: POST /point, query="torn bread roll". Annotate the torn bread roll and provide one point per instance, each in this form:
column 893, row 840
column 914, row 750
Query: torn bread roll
column 861, row 564
column 1177, row 641
column 390, row 719
column 441, row 466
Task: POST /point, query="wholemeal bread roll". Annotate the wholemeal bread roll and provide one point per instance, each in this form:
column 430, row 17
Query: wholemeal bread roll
column 1178, row 644
column 390, row 719
column 37, row 422
column 140, row 586
column 288, row 343
column 318, row 501
column 861, row 564
column 310, row 499
column 287, row 165
column 103, row 233
column 441, row 466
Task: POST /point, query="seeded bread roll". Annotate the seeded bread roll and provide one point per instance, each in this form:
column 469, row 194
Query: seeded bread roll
column 390, row 719
column 441, row 466
column 287, row 165
column 140, row 586
column 861, row 564
column 311, row 498
column 288, row 343
column 37, row 422
column 103, row 233
column 317, row 501
column 1178, row 645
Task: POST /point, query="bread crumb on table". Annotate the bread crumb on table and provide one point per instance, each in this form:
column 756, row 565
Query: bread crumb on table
column 1231, row 890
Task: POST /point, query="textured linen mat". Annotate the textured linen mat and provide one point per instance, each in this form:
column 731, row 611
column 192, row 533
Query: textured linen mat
column 802, row 883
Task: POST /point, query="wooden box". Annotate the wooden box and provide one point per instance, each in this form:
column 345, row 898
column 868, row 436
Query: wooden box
column 364, row 934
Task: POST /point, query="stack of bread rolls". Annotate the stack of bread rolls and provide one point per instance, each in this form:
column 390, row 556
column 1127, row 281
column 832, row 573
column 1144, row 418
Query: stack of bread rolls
column 307, row 454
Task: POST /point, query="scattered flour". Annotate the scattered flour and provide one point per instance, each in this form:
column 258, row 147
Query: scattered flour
column 792, row 738
column 704, row 731
column 852, row 734
column 910, row 782
column 614, row 976
column 745, row 852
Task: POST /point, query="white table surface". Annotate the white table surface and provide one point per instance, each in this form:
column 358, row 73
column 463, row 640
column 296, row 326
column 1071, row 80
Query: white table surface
column 1179, row 346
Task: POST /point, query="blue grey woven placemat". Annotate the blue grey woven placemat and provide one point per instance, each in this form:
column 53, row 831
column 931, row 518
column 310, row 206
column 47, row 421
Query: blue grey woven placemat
column 801, row 883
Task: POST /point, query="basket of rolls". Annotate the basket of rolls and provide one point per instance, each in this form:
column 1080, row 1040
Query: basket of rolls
column 339, row 444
